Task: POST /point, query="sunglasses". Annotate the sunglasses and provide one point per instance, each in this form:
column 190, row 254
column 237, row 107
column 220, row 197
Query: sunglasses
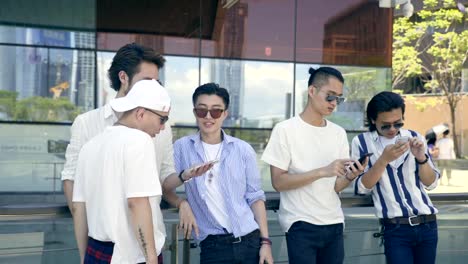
column 331, row 98
column 202, row 112
column 395, row 125
column 163, row 119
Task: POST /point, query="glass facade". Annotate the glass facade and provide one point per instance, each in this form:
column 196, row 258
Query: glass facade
column 54, row 57
column 53, row 69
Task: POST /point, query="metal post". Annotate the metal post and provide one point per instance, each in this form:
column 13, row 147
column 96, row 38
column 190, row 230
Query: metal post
column 174, row 247
column 186, row 252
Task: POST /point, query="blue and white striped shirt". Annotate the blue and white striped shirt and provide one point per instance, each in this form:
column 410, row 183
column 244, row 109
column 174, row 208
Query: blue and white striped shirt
column 399, row 192
column 240, row 189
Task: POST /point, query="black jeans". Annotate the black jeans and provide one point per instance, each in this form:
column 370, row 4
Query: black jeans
column 217, row 249
column 309, row 243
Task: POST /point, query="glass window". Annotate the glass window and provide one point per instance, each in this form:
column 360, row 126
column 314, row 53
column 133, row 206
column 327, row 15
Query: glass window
column 63, row 14
column 47, row 37
column 42, row 84
column 32, row 157
column 361, row 83
column 260, row 29
column 352, row 32
column 181, row 76
column 260, row 91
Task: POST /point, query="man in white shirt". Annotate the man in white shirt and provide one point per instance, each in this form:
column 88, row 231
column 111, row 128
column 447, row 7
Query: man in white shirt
column 309, row 158
column 396, row 175
column 131, row 64
column 116, row 184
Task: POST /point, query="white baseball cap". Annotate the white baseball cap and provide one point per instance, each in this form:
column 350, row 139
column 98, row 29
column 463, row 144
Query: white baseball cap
column 145, row 93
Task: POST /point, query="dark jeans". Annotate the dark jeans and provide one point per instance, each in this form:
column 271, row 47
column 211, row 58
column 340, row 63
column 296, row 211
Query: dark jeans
column 216, row 249
column 410, row 244
column 308, row 243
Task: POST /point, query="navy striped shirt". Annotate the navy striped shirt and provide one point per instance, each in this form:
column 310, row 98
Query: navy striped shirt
column 399, row 192
column 240, row 189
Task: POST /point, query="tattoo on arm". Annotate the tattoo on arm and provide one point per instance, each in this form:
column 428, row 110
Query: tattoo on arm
column 143, row 242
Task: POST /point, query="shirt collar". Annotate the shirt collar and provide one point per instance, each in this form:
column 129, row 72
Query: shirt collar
column 196, row 138
column 108, row 112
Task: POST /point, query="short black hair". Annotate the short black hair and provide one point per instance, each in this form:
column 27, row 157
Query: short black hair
column 209, row 89
column 383, row 102
column 319, row 77
column 128, row 59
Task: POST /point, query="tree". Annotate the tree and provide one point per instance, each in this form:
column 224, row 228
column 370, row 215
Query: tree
column 433, row 44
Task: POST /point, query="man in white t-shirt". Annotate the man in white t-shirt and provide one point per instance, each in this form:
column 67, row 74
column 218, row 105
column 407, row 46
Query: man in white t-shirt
column 309, row 162
column 116, row 183
column 446, row 153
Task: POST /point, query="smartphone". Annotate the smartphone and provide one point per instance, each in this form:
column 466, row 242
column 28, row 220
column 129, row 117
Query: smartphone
column 363, row 158
column 211, row 162
column 402, row 140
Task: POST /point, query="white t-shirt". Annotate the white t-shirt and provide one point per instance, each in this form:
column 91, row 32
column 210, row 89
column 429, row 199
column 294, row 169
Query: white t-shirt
column 297, row 147
column 89, row 124
column 113, row 166
column 446, row 149
column 214, row 199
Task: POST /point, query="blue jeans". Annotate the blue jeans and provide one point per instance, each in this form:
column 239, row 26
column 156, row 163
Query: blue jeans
column 216, row 249
column 309, row 243
column 410, row 244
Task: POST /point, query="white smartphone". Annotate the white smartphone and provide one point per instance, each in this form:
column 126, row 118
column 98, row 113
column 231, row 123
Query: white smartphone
column 211, row 162
column 402, row 140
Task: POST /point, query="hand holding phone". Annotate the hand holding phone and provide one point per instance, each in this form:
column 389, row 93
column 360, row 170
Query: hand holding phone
column 402, row 140
column 362, row 159
column 211, row 163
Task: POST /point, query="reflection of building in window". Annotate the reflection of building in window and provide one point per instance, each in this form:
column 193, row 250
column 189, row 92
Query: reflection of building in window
column 84, row 71
column 355, row 36
column 230, row 73
column 58, row 89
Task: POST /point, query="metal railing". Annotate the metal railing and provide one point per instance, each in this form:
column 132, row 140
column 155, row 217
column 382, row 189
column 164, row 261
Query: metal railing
column 181, row 253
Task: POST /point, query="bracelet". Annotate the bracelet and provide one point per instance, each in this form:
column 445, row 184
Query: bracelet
column 422, row 162
column 180, row 176
column 265, row 240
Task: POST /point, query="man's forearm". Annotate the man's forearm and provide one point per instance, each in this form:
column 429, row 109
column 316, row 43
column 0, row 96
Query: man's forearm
column 427, row 174
column 81, row 227
column 341, row 183
column 142, row 223
column 171, row 197
column 373, row 175
column 68, row 191
column 259, row 211
column 170, row 184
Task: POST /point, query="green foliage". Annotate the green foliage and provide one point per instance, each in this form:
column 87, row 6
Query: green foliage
column 433, row 45
column 8, row 102
column 45, row 109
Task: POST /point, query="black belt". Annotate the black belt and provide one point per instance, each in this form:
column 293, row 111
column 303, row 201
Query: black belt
column 229, row 238
column 412, row 220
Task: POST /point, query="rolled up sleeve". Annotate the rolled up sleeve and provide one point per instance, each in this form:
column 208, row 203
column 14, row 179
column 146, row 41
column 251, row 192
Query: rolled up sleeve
column 77, row 141
column 254, row 187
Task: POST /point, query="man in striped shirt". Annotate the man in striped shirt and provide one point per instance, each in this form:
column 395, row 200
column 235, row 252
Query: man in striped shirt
column 227, row 201
column 396, row 175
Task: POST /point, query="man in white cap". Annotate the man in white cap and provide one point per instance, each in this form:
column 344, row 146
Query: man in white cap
column 116, row 216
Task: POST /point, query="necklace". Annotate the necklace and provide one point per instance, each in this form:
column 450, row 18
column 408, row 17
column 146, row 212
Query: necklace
column 210, row 172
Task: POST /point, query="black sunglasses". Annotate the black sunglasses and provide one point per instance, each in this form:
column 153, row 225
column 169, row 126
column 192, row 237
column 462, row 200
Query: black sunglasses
column 331, row 98
column 395, row 125
column 163, row 119
column 202, row 112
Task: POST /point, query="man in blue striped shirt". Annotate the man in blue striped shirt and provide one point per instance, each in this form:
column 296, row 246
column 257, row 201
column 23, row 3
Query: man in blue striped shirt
column 396, row 175
column 227, row 201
